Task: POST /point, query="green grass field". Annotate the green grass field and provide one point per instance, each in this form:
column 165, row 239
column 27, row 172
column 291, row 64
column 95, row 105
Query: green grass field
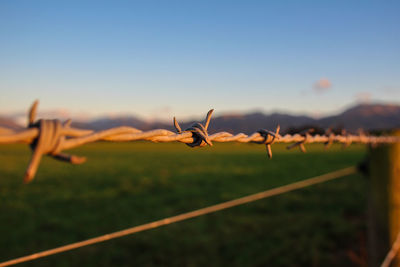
column 127, row 184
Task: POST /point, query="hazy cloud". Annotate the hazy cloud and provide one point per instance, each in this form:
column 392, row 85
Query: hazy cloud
column 322, row 85
column 390, row 90
column 163, row 113
column 363, row 97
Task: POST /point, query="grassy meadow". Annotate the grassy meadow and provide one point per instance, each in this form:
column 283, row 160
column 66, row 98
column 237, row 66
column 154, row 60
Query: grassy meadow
column 127, row 184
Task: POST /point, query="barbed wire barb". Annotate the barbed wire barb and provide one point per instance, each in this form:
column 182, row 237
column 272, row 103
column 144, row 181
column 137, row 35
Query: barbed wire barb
column 198, row 130
column 306, row 136
column 51, row 137
column 269, row 138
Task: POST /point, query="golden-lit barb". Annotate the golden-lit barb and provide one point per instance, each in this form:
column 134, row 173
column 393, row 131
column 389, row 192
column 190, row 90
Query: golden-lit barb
column 306, row 134
column 51, row 137
column 198, row 130
column 269, row 139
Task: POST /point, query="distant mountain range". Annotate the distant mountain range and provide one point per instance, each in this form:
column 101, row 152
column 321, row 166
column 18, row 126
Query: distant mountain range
column 364, row 116
column 8, row 123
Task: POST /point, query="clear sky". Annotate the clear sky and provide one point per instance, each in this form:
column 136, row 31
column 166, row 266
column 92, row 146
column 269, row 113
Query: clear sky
column 164, row 58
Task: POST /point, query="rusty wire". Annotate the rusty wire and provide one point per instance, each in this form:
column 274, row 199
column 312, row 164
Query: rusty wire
column 51, row 137
column 189, row 215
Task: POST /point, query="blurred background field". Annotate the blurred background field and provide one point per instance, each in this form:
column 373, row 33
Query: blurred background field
column 127, row 184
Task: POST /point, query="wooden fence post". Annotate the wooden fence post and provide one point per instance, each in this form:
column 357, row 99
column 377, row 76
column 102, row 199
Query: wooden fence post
column 384, row 201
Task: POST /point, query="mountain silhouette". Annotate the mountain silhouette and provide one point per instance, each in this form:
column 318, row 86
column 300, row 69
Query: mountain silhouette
column 362, row 116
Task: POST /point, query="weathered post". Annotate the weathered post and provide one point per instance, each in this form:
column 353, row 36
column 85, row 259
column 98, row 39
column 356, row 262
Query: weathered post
column 384, row 201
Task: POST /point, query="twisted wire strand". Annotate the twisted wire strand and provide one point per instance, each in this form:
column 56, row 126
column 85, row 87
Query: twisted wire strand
column 189, row 215
column 125, row 134
column 51, row 137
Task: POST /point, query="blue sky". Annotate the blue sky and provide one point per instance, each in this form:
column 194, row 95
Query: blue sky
column 164, row 58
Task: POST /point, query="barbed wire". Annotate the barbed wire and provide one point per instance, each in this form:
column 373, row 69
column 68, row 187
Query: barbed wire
column 189, row 215
column 51, row 137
